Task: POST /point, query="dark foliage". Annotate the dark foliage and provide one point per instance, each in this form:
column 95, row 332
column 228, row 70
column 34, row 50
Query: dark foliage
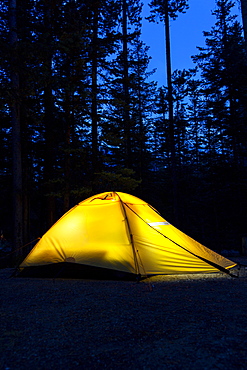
column 91, row 119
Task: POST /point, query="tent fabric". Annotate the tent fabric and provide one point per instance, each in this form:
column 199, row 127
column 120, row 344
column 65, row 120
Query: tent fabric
column 121, row 232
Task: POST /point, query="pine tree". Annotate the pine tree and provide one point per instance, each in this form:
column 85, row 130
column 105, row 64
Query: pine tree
column 167, row 10
column 222, row 115
column 101, row 22
column 244, row 19
column 222, row 63
column 130, row 99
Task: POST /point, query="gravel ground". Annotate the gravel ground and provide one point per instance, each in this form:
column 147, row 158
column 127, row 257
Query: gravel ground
column 165, row 322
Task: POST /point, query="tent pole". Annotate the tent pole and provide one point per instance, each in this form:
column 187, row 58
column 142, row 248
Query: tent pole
column 131, row 236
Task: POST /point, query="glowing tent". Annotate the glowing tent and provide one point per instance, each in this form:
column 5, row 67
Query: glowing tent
column 121, row 233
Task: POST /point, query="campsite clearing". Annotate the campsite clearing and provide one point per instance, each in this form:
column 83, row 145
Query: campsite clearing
column 178, row 322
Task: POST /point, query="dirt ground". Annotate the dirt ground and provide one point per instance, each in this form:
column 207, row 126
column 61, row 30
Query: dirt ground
column 166, row 322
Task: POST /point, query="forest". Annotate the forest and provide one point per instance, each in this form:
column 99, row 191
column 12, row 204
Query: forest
column 81, row 114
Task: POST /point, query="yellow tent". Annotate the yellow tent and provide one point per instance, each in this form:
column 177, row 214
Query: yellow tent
column 119, row 232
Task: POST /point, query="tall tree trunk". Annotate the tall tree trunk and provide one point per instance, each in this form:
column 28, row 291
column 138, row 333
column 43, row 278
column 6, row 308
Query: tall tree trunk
column 126, row 105
column 16, row 132
column 26, row 166
column 196, row 134
column 170, row 108
column 244, row 18
column 140, row 119
column 67, row 159
column 50, row 135
column 94, row 107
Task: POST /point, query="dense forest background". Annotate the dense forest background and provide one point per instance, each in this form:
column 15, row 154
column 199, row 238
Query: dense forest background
column 80, row 114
